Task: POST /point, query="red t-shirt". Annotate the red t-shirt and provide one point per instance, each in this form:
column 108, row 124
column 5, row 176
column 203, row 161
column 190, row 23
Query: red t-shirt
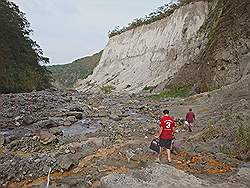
column 190, row 117
column 167, row 123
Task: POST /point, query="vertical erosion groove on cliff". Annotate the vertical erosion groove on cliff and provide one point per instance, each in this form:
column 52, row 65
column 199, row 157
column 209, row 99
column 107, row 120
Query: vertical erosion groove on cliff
column 150, row 54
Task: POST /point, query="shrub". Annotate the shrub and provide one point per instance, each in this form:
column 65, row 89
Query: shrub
column 243, row 138
column 107, row 89
column 148, row 88
column 160, row 13
column 173, row 93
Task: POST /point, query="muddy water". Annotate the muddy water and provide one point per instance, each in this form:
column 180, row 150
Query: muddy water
column 137, row 116
column 81, row 127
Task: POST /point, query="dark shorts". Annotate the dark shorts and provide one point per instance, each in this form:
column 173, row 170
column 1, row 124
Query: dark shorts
column 165, row 143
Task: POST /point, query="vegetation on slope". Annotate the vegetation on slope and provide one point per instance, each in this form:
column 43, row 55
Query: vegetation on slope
column 172, row 93
column 160, row 13
column 19, row 54
column 65, row 76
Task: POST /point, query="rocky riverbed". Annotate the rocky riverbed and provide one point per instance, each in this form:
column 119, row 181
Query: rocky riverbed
column 100, row 140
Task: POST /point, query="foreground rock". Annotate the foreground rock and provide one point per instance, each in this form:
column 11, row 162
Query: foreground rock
column 109, row 134
column 155, row 176
column 165, row 176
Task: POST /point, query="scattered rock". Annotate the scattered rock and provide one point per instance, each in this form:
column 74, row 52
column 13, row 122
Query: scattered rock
column 153, row 176
column 102, row 114
column 2, row 139
column 96, row 184
column 46, row 137
column 67, row 151
column 72, row 150
column 78, row 115
column 76, row 108
column 125, row 114
column 27, row 120
column 56, row 131
column 65, row 161
column 67, row 123
column 72, row 119
column 115, row 117
column 46, row 123
column 103, row 149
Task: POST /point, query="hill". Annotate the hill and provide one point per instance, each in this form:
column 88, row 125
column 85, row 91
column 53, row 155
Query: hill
column 65, row 76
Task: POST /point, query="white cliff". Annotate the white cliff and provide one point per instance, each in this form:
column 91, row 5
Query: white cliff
column 150, row 54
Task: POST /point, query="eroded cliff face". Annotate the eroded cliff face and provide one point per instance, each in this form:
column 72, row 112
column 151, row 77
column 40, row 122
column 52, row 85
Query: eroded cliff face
column 150, row 54
column 177, row 51
column 225, row 57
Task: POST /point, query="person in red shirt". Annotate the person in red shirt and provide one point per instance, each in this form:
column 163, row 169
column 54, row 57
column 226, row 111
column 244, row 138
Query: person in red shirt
column 166, row 133
column 190, row 117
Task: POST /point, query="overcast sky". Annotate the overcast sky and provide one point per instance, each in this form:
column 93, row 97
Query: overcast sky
column 70, row 29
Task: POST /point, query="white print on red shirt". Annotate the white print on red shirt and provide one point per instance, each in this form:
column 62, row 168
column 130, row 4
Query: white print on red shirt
column 168, row 123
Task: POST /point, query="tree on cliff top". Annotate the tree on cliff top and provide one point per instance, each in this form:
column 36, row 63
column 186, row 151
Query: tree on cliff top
column 19, row 54
column 158, row 14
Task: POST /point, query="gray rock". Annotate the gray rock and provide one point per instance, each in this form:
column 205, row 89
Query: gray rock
column 66, row 161
column 46, row 123
column 27, row 120
column 115, row 117
column 67, row 123
column 154, row 176
column 67, row 151
column 58, row 120
column 72, row 119
column 76, row 108
column 72, row 150
column 56, row 131
column 2, row 139
column 78, row 115
column 125, row 114
column 222, row 157
column 102, row 114
column 244, row 172
column 46, row 137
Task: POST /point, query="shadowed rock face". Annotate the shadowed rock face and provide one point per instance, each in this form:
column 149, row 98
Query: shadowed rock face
column 150, row 54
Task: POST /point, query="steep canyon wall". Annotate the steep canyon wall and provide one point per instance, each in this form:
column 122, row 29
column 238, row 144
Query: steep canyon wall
column 164, row 54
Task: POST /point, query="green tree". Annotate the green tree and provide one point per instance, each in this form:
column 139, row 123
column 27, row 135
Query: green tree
column 160, row 13
column 20, row 56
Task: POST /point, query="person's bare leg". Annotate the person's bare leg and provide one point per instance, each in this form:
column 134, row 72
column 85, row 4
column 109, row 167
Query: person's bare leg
column 169, row 155
column 189, row 127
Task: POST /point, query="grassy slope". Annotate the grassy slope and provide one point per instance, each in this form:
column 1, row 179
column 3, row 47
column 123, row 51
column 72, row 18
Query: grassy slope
column 65, row 76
